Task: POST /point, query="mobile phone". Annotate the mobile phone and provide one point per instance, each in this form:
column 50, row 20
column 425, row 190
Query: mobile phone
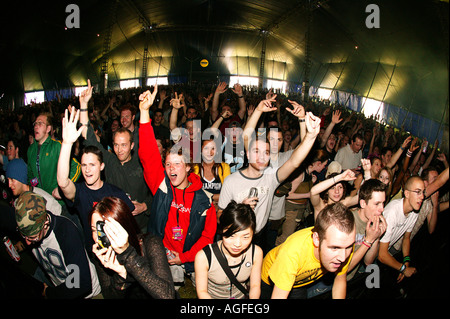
column 102, row 240
column 253, row 192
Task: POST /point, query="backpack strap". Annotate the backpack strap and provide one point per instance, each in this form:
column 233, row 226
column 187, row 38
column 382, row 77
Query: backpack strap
column 207, row 251
column 224, row 263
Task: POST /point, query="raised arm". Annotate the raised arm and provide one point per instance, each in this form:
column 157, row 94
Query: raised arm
column 438, row 183
column 221, row 88
column 250, row 126
column 149, row 153
column 399, row 152
column 237, row 89
column 335, row 119
column 301, row 152
column 176, row 105
column 347, row 175
column 299, row 112
column 69, row 134
column 84, row 98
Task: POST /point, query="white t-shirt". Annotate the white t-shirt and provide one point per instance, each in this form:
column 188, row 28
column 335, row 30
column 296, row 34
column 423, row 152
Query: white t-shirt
column 347, row 158
column 277, row 210
column 237, row 186
column 397, row 223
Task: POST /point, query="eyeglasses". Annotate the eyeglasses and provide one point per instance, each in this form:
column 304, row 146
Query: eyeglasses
column 417, row 191
column 39, row 124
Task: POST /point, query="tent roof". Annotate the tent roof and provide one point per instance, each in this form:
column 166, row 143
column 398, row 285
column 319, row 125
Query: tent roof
column 404, row 62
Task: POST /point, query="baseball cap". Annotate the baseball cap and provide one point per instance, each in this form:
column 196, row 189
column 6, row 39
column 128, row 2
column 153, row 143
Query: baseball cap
column 31, row 213
column 333, row 167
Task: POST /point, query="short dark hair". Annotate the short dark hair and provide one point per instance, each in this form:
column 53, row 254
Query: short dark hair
column 336, row 214
column 94, row 150
column 236, row 217
column 369, row 187
column 357, row 135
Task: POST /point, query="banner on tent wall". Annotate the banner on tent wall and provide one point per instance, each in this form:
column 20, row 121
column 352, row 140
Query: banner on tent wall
column 393, row 115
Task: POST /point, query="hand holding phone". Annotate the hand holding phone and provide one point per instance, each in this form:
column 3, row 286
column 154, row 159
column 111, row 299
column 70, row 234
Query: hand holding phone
column 102, row 239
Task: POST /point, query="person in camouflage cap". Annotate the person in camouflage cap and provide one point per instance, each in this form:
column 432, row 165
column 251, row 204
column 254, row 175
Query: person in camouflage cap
column 31, row 213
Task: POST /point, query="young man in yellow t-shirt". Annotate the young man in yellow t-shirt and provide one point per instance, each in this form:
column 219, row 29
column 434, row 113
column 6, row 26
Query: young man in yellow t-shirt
column 309, row 253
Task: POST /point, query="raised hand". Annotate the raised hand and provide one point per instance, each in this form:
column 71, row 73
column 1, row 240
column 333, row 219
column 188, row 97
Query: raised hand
column 117, row 235
column 365, row 164
column 336, row 118
column 269, row 94
column 414, row 146
column 146, row 99
column 70, row 133
column 237, row 89
column 348, row 175
column 221, row 88
column 86, row 95
column 312, row 124
column 176, row 101
column 266, row 105
column 298, row 110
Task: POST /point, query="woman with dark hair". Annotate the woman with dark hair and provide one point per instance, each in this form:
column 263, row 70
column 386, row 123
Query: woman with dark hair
column 139, row 262
column 333, row 190
column 231, row 267
column 212, row 173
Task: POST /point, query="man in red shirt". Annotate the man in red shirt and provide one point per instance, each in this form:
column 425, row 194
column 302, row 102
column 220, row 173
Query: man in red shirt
column 182, row 213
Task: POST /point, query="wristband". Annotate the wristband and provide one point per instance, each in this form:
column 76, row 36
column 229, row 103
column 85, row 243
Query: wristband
column 402, row 148
column 240, row 96
column 301, row 120
column 366, row 243
column 402, row 268
column 406, row 259
column 86, row 109
column 408, row 153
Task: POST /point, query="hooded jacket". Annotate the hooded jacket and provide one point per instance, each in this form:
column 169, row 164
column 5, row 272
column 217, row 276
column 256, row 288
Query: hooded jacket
column 190, row 209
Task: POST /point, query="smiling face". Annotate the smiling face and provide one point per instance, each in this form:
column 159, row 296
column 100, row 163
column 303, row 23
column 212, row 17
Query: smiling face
column 91, row 169
column 126, row 119
column 238, row 242
column 208, row 151
column 334, row 248
column 335, row 193
column 123, row 146
column 177, row 170
column 258, row 155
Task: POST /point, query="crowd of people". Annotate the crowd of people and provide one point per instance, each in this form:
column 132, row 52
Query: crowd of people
column 242, row 192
